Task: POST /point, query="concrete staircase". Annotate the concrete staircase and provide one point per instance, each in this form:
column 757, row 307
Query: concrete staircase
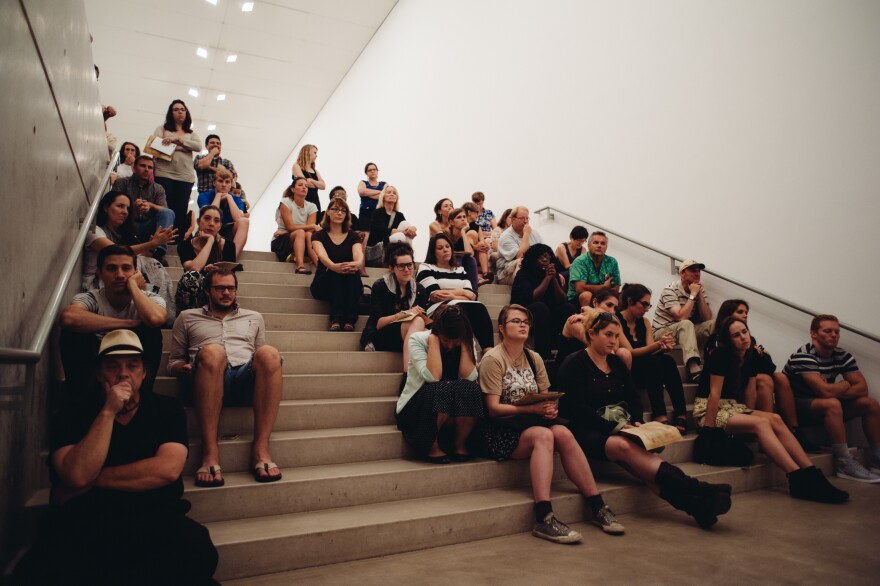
column 349, row 490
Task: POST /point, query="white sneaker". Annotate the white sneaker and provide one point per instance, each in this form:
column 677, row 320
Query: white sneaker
column 852, row 469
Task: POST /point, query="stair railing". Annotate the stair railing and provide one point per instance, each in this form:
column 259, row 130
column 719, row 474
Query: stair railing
column 674, row 259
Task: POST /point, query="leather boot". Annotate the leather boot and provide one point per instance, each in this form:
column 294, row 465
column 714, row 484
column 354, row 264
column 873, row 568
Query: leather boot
column 811, row 485
column 683, row 493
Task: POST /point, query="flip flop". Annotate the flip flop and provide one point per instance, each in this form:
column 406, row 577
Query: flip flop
column 303, row 271
column 212, row 470
column 265, row 467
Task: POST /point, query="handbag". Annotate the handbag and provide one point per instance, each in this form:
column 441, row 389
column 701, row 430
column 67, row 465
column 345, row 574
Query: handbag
column 376, row 252
column 715, row 447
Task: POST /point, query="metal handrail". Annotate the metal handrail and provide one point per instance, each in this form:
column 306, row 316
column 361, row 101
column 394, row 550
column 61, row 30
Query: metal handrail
column 673, row 258
column 32, row 354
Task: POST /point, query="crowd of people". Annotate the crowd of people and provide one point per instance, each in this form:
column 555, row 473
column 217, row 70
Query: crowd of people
column 572, row 325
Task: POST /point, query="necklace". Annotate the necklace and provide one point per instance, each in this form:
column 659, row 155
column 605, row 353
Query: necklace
column 128, row 410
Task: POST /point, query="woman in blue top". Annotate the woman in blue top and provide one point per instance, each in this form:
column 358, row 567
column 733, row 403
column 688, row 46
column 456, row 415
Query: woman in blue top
column 441, row 389
column 369, row 189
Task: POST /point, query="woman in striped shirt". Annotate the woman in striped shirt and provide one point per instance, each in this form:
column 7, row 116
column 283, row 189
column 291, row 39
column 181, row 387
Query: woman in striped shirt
column 447, row 283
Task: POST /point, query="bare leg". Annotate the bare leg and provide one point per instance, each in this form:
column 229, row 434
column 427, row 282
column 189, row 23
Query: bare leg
column 406, row 330
column 536, row 443
column 869, row 410
column 764, row 394
column 435, row 450
column 785, row 399
column 240, row 234
column 311, row 251
column 574, row 461
column 267, row 398
column 463, row 428
column 298, row 238
column 830, row 412
column 643, row 465
column 774, row 438
column 208, row 398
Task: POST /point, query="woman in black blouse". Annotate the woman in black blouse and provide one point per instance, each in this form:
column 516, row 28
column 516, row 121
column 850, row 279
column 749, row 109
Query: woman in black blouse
column 388, row 221
column 719, row 408
column 596, row 378
column 395, row 292
column 340, row 258
column 199, row 253
column 652, row 368
column 539, row 287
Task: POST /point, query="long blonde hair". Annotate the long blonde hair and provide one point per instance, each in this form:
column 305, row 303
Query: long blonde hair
column 303, row 158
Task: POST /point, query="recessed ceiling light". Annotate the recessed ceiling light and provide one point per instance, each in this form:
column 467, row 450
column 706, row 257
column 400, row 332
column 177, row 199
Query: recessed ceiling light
column 231, row 58
column 214, row 2
column 203, row 53
column 247, row 7
column 193, row 92
column 212, row 127
column 221, row 97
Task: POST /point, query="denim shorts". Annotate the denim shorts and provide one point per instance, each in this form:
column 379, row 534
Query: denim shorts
column 238, row 383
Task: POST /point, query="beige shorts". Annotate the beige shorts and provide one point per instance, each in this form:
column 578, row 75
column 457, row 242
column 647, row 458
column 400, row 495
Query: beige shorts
column 727, row 408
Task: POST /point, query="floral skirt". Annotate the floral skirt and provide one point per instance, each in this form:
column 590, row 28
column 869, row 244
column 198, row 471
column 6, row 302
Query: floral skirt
column 727, row 408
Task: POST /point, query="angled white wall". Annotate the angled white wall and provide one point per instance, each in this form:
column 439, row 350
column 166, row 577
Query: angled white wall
column 746, row 134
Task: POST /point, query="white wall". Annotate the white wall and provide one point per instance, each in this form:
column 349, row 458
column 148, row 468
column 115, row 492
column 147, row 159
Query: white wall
column 746, row 134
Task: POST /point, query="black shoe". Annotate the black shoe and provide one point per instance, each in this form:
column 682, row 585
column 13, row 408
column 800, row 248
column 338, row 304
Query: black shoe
column 810, row 484
column 808, row 446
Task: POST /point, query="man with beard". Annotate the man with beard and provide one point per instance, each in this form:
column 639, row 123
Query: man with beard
column 222, row 349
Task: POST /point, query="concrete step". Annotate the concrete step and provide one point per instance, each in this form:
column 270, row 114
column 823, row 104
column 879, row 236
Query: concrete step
column 289, row 305
column 278, row 543
column 316, row 386
column 305, row 322
column 358, row 362
column 304, row 414
column 315, row 447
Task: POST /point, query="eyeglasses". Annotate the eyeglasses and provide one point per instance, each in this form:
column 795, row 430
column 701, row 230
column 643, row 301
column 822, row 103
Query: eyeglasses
column 340, row 210
column 604, row 316
column 224, row 288
column 405, row 266
column 645, row 304
column 518, row 322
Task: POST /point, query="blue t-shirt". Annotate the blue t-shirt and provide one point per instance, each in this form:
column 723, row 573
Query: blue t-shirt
column 207, row 197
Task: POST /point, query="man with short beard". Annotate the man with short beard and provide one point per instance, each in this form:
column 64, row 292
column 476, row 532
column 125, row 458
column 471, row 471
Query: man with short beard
column 149, row 208
column 221, row 348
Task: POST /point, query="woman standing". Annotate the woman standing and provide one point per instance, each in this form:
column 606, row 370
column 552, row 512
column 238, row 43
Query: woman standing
column 305, row 167
column 177, row 176
column 595, row 378
column 295, row 218
column 508, row 373
column 369, row 190
column 446, row 283
column 338, row 278
column 392, row 294
column 441, row 389
column 652, row 368
column 719, row 409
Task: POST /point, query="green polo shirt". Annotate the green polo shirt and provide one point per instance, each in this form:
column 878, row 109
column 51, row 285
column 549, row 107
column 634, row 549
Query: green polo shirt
column 584, row 269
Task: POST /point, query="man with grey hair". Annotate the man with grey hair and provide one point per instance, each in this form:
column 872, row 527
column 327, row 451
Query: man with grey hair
column 513, row 244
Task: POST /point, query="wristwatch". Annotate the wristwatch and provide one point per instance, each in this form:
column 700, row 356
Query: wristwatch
column 692, row 297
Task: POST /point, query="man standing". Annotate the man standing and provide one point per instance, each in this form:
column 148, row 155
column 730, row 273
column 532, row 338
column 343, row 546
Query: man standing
column 223, row 349
column 205, row 165
column 593, row 271
column 120, row 303
column 819, row 396
column 149, row 208
column 116, row 459
column 684, row 311
column 513, row 244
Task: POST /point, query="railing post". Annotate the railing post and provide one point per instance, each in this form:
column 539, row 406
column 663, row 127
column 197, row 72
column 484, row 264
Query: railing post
column 672, row 265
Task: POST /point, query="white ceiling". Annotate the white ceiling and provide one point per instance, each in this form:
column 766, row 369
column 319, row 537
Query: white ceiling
column 291, row 56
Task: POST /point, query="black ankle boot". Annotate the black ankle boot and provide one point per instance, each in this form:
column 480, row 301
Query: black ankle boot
column 684, row 493
column 811, row 485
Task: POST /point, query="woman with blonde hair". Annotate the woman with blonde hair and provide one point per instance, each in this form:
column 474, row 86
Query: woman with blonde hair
column 305, row 167
column 387, row 224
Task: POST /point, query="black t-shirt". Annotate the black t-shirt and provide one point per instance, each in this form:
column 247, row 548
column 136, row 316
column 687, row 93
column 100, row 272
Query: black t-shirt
column 724, row 362
column 158, row 420
column 587, row 389
column 186, row 252
column 379, row 230
column 337, row 252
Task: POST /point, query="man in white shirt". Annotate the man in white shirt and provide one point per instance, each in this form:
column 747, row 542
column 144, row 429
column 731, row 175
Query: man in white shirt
column 513, row 244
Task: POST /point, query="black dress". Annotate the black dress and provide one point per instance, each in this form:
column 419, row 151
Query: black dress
column 312, row 195
column 587, row 391
column 654, row 371
column 343, row 291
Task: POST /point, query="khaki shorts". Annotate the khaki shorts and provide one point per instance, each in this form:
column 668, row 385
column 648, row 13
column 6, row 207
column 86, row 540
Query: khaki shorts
column 727, row 408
